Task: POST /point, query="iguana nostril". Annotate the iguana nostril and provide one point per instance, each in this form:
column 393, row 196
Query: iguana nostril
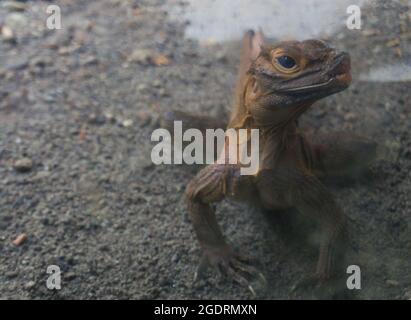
column 342, row 63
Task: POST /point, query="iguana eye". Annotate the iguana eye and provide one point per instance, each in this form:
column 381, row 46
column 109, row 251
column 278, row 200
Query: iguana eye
column 286, row 62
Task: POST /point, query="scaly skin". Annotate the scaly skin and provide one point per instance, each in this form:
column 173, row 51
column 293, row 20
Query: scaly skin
column 270, row 97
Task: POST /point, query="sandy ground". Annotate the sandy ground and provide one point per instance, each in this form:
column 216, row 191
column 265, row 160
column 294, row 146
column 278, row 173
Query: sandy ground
column 81, row 104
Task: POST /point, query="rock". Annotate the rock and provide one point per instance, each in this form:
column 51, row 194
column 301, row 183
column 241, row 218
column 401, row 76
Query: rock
column 80, row 37
column 49, row 98
column 40, row 61
column 389, row 150
column 140, row 56
column 142, row 87
column 16, row 21
column 141, row 161
column 14, row 5
column 221, row 56
column 157, row 83
column 407, row 295
column 41, row 175
column 127, row 123
column 68, row 50
column 370, row 32
column 160, row 60
column 393, row 43
column 20, row 239
column 392, row 283
column 23, row 165
column 96, row 119
column 147, row 56
column 90, row 60
column 109, row 117
column 19, row 64
column 29, row 285
column 350, row 116
column 174, row 258
column 209, row 42
column 144, row 117
column 163, row 92
column 11, row 274
column 7, row 34
column 69, row 276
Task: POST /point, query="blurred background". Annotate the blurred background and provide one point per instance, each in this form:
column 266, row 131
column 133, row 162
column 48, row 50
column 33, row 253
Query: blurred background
column 77, row 109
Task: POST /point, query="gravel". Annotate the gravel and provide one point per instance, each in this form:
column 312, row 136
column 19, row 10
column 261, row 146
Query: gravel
column 77, row 110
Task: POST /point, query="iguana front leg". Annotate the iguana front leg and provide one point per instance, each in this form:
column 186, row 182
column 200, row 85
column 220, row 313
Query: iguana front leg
column 211, row 185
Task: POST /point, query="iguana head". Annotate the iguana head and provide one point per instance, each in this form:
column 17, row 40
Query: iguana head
column 292, row 75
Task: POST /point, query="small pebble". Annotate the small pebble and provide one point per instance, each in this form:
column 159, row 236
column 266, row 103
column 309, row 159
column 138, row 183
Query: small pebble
column 23, row 165
column 20, row 239
column 392, row 283
column 14, row 6
column 29, row 285
column 11, row 274
column 142, row 87
column 157, row 84
column 41, row 175
column 144, row 117
column 7, row 33
column 140, row 56
column 127, row 123
column 163, row 93
column 350, row 116
column 69, row 276
column 109, row 117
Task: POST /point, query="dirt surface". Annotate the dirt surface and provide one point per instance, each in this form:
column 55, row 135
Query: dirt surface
column 77, row 108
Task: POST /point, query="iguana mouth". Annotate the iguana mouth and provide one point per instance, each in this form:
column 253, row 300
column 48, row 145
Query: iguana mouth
column 310, row 87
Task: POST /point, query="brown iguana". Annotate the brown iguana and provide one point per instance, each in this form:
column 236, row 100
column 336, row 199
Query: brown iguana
column 277, row 84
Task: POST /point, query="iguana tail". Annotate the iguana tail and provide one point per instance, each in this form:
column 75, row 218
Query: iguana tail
column 252, row 42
